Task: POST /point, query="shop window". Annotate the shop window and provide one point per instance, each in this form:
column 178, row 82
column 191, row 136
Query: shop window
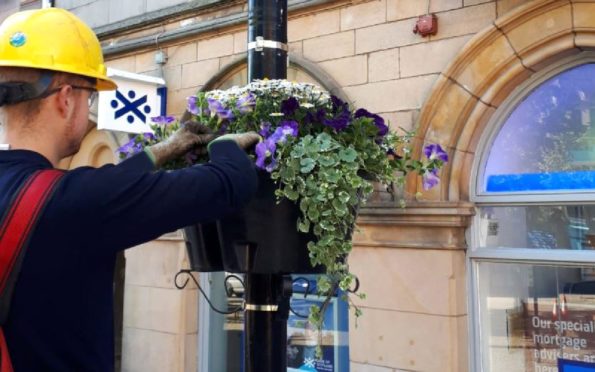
column 532, row 256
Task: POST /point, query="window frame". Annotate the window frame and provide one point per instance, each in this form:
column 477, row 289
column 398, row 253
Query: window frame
column 520, row 255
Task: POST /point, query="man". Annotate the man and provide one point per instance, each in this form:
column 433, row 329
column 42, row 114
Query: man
column 60, row 318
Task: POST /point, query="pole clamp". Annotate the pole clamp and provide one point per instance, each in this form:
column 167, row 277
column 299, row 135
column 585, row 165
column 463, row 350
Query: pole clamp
column 261, row 43
column 256, row 307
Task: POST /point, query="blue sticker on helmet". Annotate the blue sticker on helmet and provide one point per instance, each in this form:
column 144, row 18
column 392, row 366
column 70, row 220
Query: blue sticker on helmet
column 18, row 39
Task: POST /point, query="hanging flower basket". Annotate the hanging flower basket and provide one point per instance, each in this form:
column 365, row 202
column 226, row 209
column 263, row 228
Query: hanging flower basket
column 317, row 160
column 269, row 228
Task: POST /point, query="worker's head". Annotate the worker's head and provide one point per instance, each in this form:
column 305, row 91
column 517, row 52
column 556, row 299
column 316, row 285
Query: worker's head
column 49, row 60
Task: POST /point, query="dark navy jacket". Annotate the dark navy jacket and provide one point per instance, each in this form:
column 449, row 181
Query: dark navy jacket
column 61, row 316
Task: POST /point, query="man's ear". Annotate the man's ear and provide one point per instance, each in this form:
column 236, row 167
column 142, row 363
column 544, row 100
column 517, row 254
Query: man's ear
column 65, row 101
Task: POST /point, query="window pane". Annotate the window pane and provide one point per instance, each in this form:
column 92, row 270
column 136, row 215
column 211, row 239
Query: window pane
column 540, row 227
column 532, row 315
column 547, row 143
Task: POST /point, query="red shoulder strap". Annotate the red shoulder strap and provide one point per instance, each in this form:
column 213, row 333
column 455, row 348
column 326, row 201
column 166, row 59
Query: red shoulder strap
column 15, row 229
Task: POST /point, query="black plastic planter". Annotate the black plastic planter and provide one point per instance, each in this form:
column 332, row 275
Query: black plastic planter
column 203, row 248
column 268, row 231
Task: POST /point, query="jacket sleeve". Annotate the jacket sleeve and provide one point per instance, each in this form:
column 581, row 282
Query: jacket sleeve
column 134, row 204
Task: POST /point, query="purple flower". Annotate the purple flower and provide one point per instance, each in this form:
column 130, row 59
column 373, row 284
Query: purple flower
column 149, row 136
column 391, row 152
column 341, row 115
column 434, row 151
column 265, row 155
column 265, row 129
column 193, row 106
column 130, row 148
column 287, row 128
column 289, row 106
column 339, row 122
column 430, row 179
column 338, row 104
column 163, row 120
column 316, row 117
column 378, row 121
column 223, row 129
column 246, row 103
column 216, row 108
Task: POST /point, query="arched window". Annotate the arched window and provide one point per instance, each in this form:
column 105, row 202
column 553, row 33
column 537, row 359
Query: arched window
column 533, row 243
column 546, row 144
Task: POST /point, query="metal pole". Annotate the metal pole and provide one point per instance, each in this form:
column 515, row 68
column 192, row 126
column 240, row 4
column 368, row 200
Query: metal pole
column 267, row 39
column 267, row 295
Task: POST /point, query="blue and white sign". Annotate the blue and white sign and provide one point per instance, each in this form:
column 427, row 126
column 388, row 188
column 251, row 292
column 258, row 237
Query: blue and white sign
column 131, row 107
column 302, row 341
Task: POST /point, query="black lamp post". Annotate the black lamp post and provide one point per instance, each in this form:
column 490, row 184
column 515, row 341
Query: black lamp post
column 267, row 295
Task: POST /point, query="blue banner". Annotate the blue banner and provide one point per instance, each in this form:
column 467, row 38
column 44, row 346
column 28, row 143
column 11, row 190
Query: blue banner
column 554, row 181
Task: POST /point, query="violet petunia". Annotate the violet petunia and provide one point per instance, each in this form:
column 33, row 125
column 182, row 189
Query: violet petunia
column 435, row 152
column 289, row 106
column 217, row 108
column 163, row 120
column 265, row 129
column 339, row 122
column 286, row 128
column 149, row 136
column 316, row 117
column 430, row 179
column 265, row 155
column 246, row 103
column 193, row 106
column 338, row 104
column 378, row 120
column 125, row 148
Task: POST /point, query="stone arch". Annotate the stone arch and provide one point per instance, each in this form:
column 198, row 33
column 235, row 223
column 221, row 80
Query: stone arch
column 486, row 71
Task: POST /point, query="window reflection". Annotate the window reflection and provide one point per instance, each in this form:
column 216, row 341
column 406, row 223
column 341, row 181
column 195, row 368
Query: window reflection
column 532, row 315
column 547, row 142
column 539, row 227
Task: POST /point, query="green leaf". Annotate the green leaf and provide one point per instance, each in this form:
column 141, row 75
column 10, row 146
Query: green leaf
column 333, row 175
column 313, row 214
column 312, row 149
column 307, row 165
column 297, row 152
column 291, row 194
column 340, row 207
column 326, row 225
column 304, row 226
column 327, row 161
column 344, row 197
column 348, row 155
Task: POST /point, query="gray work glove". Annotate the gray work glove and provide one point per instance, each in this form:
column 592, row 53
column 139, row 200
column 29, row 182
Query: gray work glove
column 190, row 136
column 243, row 140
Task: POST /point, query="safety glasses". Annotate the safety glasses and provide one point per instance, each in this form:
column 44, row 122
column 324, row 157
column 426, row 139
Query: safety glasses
column 92, row 96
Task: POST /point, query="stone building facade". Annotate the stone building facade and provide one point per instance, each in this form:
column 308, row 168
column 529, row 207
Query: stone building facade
column 415, row 264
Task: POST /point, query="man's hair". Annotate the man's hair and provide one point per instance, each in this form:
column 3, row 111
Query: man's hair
column 28, row 110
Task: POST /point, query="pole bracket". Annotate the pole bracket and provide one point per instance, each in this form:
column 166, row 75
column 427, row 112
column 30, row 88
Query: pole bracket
column 260, row 43
column 256, row 307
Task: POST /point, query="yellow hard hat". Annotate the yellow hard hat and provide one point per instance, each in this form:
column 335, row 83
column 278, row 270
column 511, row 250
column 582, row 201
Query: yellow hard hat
column 53, row 39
